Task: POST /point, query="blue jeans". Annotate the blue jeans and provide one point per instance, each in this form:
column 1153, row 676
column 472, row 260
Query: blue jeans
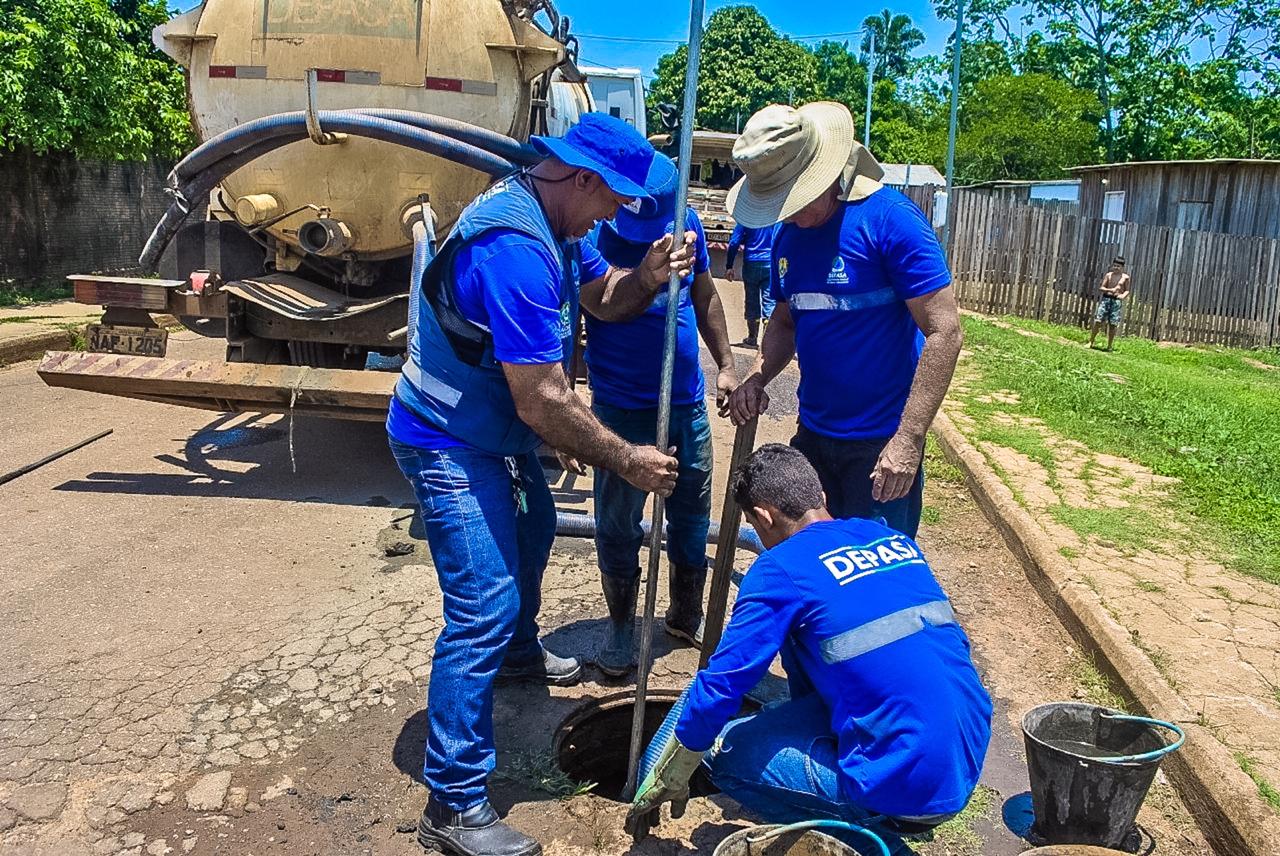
column 755, row 276
column 620, row 506
column 489, row 557
column 845, row 467
column 781, row 766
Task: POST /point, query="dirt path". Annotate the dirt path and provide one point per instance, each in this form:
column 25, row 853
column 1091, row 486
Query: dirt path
column 207, row 651
column 1212, row 633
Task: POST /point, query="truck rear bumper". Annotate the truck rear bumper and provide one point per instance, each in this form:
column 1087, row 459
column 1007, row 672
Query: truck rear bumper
column 226, row 387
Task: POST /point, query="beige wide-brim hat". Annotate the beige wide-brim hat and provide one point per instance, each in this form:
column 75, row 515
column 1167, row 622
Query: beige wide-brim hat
column 790, row 156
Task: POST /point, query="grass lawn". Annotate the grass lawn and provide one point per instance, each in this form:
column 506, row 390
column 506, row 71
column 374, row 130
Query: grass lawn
column 28, row 294
column 1209, row 417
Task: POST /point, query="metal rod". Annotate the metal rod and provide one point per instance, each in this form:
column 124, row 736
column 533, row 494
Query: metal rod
column 48, row 459
column 696, row 9
column 957, row 42
column 744, row 441
column 871, row 73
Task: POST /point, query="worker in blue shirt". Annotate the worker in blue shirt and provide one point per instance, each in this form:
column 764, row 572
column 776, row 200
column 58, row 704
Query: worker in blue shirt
column 864, row 301
column 887, row 723
column 755, row 276
column 624, row 361
column 493, row 317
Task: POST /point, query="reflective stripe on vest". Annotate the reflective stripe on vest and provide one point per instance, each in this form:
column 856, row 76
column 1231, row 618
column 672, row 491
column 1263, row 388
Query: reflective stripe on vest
column 430, row 384
column 883, row 631
column 808, row 300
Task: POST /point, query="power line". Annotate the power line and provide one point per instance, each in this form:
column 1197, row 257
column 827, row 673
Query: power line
column 642, row 41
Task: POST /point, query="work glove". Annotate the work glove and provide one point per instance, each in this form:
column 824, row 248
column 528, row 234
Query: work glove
column 667, row 781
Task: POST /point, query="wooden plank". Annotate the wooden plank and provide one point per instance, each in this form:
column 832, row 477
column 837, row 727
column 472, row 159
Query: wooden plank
column 254, row 387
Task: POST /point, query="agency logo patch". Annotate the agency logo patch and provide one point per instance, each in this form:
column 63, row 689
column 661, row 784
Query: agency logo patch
column 838, row 276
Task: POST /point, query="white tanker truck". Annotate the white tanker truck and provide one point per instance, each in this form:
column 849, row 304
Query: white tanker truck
column 332, row 132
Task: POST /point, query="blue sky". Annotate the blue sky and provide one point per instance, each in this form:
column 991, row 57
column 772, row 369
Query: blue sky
column 669, row 20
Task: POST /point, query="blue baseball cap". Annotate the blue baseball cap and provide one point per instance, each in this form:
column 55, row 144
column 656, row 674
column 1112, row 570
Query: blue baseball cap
column 647, row 226
column 607, row 146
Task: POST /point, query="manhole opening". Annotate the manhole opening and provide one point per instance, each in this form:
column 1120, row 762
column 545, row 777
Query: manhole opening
column 592, row 743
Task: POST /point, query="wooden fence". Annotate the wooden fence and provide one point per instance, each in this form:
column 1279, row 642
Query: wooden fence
column 1188, row 286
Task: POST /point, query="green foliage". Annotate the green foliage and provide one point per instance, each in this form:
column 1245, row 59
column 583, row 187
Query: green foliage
column 895, row 38
column 82, row 76
column 746, row 65
column 1026, row 126
column 1265, row 789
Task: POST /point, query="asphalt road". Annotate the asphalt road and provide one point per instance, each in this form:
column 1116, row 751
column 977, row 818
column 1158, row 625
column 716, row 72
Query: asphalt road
column 206, row 648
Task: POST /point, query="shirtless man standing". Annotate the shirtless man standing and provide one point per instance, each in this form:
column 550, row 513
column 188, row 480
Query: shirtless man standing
column 1115, row 288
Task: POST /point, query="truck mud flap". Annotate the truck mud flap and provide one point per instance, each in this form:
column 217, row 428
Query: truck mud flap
column 225, row 387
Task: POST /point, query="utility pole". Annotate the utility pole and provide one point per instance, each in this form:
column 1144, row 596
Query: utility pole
column 871, row 73
column 951, row 128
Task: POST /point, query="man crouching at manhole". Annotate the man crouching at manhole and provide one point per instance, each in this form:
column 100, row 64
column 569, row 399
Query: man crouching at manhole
column 887, row 723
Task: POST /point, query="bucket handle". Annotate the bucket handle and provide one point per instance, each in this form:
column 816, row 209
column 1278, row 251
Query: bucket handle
column 813, row 824
column 1146, row 756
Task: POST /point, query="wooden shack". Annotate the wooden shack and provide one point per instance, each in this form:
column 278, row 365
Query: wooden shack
column 1232, row 196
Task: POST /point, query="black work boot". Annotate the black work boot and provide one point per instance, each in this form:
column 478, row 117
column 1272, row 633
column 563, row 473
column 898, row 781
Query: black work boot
column 475, row 832
column 615, row 658
column 551, row 669
column 684, row 615
column 752, row 340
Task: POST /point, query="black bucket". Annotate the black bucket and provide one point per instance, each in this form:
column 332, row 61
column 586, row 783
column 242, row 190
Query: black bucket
column 1090, row 770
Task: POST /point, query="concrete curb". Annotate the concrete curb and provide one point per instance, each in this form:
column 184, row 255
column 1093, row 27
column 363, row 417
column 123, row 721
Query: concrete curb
column 1222, row 799
column 32, row 345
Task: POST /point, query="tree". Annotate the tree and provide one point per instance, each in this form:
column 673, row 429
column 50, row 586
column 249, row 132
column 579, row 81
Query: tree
column 1026, row 127
column 76, row 77
column 745, row 66
column 896, row 37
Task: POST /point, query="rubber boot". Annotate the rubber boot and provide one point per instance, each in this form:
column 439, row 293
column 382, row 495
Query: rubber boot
column 616, row 656
column 753, row 334
column 478, row 831
column 684, row 615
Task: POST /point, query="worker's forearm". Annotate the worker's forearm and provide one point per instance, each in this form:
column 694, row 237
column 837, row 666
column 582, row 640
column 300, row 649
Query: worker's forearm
column 932, row 379
column 627, row 294
column 564, row 421
column 778, row 347
column 714, row 330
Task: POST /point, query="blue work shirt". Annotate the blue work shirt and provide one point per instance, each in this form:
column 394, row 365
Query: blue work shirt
column 508, row 283
column 758, row 244
column 847, row 283
column 624, row 358
column 874, row 633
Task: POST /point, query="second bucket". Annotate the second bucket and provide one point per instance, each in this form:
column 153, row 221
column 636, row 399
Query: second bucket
column 1090, row 770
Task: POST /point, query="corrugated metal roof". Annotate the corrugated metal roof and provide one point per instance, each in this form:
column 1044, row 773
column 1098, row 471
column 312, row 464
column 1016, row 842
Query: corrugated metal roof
column 921, row 174
column 1095, row 167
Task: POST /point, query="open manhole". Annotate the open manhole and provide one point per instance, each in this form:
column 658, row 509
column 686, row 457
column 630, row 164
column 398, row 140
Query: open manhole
column 593, row 742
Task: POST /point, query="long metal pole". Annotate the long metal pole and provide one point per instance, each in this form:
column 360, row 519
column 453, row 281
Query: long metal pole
column 664, row 396
column 48, row 459
column 871, row 73
column 951, row 127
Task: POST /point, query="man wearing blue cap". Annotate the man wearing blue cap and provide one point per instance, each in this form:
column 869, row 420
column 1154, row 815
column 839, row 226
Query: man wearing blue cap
column 490, row 340
column 624, row 359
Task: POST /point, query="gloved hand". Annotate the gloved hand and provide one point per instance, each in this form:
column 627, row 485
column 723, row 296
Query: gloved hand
column 668, row 781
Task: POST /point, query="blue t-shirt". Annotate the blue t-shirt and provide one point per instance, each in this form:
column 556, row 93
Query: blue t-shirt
column 624, row 358
column 508, row 283
column 758, row 244
column 847, row 283
column 874, row 633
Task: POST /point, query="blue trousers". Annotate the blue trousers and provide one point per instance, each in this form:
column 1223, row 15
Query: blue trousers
column 781, row 766
column 620, row 507
column 845, row 467
column 755, row 276
column 489, row 556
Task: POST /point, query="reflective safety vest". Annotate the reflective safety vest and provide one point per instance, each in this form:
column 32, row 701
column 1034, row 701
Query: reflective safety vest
column 451, row 379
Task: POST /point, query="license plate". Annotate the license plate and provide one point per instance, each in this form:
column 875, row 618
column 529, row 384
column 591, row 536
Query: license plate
column 135, row 341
